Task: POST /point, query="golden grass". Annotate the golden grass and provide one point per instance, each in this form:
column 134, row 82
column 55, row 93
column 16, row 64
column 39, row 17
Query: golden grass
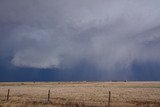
column 80, row 94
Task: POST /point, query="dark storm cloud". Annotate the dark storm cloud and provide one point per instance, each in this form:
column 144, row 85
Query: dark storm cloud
column 109, row 34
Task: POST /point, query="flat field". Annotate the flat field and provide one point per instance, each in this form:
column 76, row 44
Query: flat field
column 80, row 94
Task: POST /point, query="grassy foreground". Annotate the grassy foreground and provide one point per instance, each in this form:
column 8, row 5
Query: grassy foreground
column 80, row 94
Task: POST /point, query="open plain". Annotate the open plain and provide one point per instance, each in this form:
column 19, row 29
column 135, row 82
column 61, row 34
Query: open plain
column 80, row 94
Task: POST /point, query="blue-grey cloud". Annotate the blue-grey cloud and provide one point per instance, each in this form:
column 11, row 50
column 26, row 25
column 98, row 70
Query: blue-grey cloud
column 109, row 34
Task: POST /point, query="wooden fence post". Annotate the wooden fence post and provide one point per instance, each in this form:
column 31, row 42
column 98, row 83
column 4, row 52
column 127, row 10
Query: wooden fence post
column 109, row 99
column 48, row 95
column 8, row 94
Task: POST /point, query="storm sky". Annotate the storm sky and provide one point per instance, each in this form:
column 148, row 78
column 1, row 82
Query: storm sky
column 84, row 39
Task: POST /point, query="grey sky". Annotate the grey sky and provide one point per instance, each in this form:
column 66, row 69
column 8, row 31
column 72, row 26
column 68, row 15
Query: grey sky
column 110, row 34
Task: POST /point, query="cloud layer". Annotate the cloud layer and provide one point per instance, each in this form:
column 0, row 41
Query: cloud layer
column 109, row 34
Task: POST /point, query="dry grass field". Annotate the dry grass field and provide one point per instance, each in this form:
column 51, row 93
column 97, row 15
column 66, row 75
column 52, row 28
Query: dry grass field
column 80, row 94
